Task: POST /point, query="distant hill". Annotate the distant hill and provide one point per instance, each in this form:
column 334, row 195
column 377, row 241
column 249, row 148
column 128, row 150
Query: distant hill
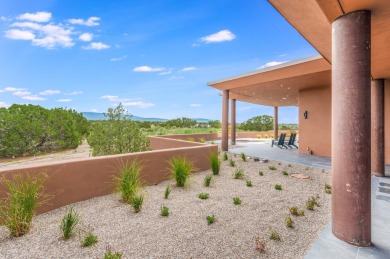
column 100, row 116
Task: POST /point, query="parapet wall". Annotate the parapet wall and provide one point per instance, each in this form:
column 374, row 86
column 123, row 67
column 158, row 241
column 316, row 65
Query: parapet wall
column 77, row 180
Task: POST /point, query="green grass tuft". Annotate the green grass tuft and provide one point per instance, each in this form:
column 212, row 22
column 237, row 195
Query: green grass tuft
column 180, row 169
column 207, row 180
column 215, row 163
column 232, row 163
column 167, row 192
column 311, row 202
column 109, row 254
column 137, row 202
column 249, row 183
column 271, row 167
column 261, row 173
column 284, row 173
column 210, row 219
column 289, row 222
column 243, row 157
column 278, row 187
column 236, row 201
column 328, row 189
column 89, row 240
column 68, row 223
column 239, row 173
column 128, row 182
column 203, row 196
column 225, row 156
column 274, row 235
column 164, row 211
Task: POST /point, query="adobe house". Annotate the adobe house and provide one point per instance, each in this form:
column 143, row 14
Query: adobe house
column 345, row 93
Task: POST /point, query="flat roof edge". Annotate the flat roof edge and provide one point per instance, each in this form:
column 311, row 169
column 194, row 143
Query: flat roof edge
column 263, row 70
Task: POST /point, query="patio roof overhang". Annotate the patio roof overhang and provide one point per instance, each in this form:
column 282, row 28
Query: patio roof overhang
column 313, row 20
column 278, row 85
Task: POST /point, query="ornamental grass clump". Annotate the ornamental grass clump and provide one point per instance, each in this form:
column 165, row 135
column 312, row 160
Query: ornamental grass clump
column 89, row 240
column 137, row 202
column 215, row 163
column 207, row 180
column 164, row 211
column 243, row 157
column 24, row 196
column 128, row 182
column 249, row 183
column 271, row 167
column 236, row 201
column 278, row 187
column 167, row 192
column 210, row 219
column 239, row 173
column 311, row 202
column 225, row 156
column 109, row 254
column 180, row 170
column 232, row 163
column 294, row 211
column 274, row 235
column 203, row 196
column 284, row 173
column 261, row 173
column 289, row 222
column 68, row 223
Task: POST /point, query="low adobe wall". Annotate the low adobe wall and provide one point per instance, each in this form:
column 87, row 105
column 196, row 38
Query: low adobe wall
column 195, row 137
column 77, row 180
column 261, row 134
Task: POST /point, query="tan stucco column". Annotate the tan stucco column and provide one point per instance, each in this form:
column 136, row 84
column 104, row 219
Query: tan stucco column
column 233, row 122
column 351, row 128
column 378, row 127
column 225, row 120
column 276, row 126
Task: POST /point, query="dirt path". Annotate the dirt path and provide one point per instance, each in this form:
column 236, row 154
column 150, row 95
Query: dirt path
column 81, row 151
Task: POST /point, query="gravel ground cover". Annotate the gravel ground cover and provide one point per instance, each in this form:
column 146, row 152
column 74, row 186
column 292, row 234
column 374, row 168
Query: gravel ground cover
column 185, row 232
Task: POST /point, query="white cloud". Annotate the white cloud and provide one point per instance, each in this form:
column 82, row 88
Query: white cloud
column 195, row 105
column 224, row 35
column 33, row 98
column 4, row 104
column 35, row 17
column 91, row 21
column 138, row 104
column 21, row 93
column 94, row 110
column 86, row 36
column 47, row 36
column 19, row 35
column 64, row 100
column 165, row 73
column 4, row 19
column 188, row 69
column 271, row 64
column 176, row 77
column 97, row 46
column 50, row 92
column 74, row 93
column 148, row 69
column 12, row 89
column 118, row 59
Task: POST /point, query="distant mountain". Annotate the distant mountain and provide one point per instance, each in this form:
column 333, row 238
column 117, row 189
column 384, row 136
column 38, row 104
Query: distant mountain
column 100, row 116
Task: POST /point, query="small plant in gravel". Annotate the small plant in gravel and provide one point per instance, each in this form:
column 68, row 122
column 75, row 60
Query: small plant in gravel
column 203, row 196
column 128, row 182
column 232, row 163
column 239, row 173
column 225, row 156
column 260, row 244
column 180, row 169
column 289, row 222
column 311, row 202
column 243, row 157
column 289, row 165
column 109, row 254
column 24, row 196
column 328, row 189
column 207, row 180
column 278, row 187
column 271, row 167
column 215, row 163
column 137, row 202
column 249, row 183
column 89, row 240
column 167, row 192
column 274, row 235
column 68, row 223
column 164, row 211
column 210, row 219
column 261, row 173
column 279, row 163
column 284, row 173
column 294, row 211
column 236, row 201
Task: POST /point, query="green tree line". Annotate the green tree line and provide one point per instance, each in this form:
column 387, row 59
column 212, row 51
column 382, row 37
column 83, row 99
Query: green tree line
column 30, row 129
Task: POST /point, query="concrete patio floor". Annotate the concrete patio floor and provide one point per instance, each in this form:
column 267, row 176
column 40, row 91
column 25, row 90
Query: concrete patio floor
column 327, row 245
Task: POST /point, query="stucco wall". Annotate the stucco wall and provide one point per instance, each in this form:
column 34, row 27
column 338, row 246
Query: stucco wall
column 195, row 137
column 387, row 121
column 255, row 134
column 82, row 179
column 315, row 131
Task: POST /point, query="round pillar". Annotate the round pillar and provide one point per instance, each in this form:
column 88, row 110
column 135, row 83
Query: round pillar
column 225, row 121
column 351, row 128
column 233, row 121
column 377, row 127
column 276, row 125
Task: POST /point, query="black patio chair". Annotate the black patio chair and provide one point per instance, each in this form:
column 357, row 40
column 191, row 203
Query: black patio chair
column 291, row 142
column 279, row 142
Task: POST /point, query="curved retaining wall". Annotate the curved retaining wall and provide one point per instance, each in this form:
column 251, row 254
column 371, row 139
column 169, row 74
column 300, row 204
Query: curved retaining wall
column 77, row 180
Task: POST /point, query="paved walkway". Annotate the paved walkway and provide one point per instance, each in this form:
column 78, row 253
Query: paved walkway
column 327, row 245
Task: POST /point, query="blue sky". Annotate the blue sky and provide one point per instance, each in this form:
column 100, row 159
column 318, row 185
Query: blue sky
column 155, row 57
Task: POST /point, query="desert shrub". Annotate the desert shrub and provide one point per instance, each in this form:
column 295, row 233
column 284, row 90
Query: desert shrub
column 289, row 222
column 278, row 187
column 239, row 173
column 284, row 173
column 89, row 240
column 210, row 219
column 116, row 135
column 274, row 235
column 68, row 223
column 328, row 189
column 215, row 163
column 225, row 156
column 109, row 254
column 207, row 180
column 203, row 196
column 249, row 183
column 271, row 167
column 243, row 157
column 167, row 192
column 180, row 170
column 137, row 202
column 311, row 202
column 294, row 211
column 24, row 196
column 164, row 211
column 236, row 201
column 232, row 163
column 260, row 244
column 128, row 183
column 261, row 173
